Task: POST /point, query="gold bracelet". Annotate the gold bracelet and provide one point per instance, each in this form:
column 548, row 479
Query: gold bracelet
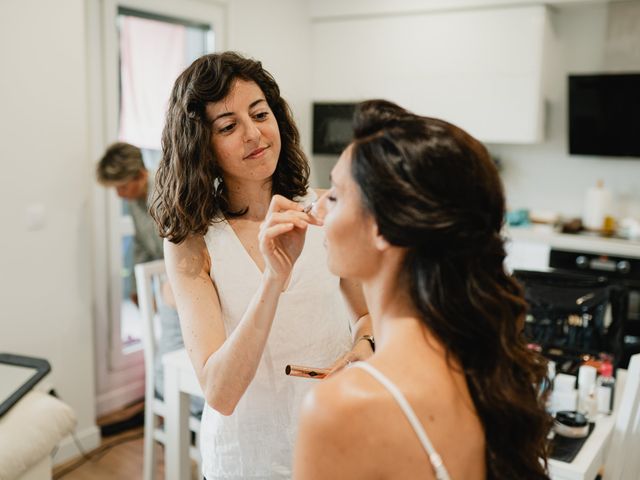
column 368, row 338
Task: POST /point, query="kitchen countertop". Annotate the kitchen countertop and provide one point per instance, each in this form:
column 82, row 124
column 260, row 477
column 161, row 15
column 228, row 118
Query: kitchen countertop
column 582, row 242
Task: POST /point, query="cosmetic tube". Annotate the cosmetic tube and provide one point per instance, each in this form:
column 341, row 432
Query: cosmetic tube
column 306, row 372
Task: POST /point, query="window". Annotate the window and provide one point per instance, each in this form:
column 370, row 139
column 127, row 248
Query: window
column 124, row 104
column 153, row 50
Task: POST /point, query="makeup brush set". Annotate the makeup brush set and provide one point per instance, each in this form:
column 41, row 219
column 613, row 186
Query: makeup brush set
column 572, row 318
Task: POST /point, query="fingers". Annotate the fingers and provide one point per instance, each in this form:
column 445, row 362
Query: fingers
column 320, row 208
column 270, row 233
column 297, row 218
column 341, row 363
column 312, row 211
column 281, row 204
column 356, row 354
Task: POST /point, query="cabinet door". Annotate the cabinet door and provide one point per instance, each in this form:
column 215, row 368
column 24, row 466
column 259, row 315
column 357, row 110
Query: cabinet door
column 481, row 69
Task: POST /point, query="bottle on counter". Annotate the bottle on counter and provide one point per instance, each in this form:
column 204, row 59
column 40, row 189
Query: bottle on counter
column 564, row 395
column 591, row 404
column 605, row 386
column 597, row 207
column 586, row 389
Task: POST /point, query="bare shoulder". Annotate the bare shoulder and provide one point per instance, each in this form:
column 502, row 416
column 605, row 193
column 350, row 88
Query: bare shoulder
column 335, row 419
column 336, row 396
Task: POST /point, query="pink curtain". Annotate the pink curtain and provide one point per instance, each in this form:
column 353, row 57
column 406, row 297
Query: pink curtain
column 153, row 53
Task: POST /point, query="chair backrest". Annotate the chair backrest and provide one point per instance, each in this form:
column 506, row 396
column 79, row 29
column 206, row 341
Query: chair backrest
column 623, row 460
column 148, row 282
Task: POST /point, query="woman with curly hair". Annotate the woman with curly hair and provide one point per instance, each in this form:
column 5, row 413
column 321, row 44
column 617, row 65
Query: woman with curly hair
column 250, row 279
column 415, row 213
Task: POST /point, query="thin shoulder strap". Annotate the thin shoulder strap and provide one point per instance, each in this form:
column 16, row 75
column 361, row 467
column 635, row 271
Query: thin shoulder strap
column 436, row 461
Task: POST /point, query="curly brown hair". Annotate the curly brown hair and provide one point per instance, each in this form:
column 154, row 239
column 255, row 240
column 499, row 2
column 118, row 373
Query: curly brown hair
column 189, row 192
column 433, row 189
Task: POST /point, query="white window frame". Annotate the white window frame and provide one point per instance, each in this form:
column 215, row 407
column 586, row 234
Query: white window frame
column 120, row 372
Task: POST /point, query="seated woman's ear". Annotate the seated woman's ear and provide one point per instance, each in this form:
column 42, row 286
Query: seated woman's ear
column 379, row 241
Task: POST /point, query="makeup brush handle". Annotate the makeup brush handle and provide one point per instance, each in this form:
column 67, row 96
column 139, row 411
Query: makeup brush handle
column 306, row 372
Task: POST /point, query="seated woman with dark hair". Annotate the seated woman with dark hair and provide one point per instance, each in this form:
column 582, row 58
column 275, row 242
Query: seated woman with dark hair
column 414, row 214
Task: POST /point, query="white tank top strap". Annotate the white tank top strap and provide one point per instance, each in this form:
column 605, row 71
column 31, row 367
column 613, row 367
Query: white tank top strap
column 435, row 459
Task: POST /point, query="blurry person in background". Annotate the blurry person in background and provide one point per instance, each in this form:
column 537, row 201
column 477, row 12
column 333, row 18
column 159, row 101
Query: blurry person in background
column 122, row 168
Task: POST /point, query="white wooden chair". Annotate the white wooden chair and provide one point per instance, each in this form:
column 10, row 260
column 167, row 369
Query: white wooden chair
column 623, row 460
column 149, row 277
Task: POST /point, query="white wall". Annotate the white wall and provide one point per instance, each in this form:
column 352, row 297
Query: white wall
column 45, row 282
column 278, row 33
column 544, row 176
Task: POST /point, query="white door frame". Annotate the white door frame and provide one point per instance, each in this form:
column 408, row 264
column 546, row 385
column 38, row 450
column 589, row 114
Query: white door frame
column 120, row 375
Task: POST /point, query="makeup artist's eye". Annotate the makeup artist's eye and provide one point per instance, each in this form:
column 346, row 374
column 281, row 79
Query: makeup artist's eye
column 227, row 128
column 262, row 116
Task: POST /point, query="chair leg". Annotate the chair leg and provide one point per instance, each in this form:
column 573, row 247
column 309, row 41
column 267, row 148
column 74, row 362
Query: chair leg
column 149, row 459
column 198, row 457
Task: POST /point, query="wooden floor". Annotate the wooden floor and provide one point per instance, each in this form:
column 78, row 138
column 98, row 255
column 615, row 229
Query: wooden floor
column 118, row 457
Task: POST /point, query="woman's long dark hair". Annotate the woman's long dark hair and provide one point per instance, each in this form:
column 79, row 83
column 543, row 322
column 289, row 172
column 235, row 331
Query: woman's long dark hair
column 433, row 189
column 189, row 191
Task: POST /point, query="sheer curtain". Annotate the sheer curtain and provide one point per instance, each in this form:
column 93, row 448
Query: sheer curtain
column 152, row 56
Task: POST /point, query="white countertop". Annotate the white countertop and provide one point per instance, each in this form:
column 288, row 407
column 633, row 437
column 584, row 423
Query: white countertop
column 545, row 234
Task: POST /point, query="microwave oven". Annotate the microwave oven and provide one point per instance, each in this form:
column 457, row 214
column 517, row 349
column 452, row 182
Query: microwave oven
column 332, row 127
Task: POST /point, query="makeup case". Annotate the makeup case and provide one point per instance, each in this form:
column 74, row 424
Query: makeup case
column 573, row 318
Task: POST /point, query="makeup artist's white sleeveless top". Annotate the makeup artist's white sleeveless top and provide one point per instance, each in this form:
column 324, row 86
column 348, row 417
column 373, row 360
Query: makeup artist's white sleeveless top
column 311, row 327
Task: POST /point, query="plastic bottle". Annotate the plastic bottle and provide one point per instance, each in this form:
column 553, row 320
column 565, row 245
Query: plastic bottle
column 597, row 205
column 605, row 386
column 564, row 395
column 591, row 404
column 586, row 386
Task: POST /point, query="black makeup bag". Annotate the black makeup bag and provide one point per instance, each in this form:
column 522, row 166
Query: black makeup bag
column 572, row 317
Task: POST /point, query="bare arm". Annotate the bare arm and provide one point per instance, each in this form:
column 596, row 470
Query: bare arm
column 352, row 291
column 226, row 366
column 360, row 325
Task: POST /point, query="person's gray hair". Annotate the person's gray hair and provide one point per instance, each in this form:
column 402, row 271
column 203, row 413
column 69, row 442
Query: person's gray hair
column 120, row 162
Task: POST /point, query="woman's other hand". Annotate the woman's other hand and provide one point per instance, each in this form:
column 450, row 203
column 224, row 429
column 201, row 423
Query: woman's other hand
column 361, row 350
column 282, row 236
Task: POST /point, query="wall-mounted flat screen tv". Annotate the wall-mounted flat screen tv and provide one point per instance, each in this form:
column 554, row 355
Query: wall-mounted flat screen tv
column 332, row 130
column 604, row 115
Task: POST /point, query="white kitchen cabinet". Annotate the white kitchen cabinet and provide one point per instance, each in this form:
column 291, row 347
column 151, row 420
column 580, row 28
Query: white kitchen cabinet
column 481, row 69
